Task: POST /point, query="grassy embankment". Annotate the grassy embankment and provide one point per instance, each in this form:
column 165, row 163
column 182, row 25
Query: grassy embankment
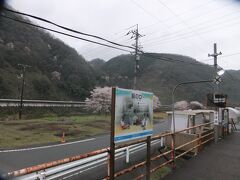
column 162, row 172
column 20, row 133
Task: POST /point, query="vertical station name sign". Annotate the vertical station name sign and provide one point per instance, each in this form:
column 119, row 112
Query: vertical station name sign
column 133, row 114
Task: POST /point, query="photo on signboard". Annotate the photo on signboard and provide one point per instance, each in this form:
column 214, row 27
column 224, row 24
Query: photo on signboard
column 133, row 114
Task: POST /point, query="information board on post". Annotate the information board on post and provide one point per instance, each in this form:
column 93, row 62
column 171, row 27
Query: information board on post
column 133, row 114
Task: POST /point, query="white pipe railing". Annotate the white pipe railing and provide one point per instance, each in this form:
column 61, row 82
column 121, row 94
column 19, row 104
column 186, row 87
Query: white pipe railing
column 40, row 103
column 79, row 165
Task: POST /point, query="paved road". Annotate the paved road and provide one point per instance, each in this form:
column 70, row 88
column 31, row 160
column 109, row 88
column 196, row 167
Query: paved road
column 10, row 161
column 217, row 162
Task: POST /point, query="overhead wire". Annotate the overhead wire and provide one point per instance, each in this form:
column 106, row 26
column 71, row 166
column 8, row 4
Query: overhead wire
column 181, row 14
column 179, row 32
column 196, row 17
column 106, row 45
column 62, row 33
column 180, row 19
column 192, row 35
column 55, row 31
column 168, row 59
column 221, row 57
column 159, row 20
column 99, row 49
column 66, row 28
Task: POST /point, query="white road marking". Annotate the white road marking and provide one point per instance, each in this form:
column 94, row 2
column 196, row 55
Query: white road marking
column 45, row 147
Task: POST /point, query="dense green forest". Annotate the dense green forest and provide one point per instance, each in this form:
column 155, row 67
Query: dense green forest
column 58, row 72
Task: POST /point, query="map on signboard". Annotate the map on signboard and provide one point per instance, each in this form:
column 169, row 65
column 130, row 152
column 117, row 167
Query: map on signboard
column 133, row 114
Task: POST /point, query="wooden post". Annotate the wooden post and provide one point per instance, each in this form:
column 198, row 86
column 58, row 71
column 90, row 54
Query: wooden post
column 112, row 144
column 148, row 164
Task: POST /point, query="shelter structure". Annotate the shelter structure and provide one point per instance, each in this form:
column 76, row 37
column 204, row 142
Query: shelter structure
column 185, row 119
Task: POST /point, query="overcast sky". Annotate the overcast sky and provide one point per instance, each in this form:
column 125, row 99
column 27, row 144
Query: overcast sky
column 186, row 27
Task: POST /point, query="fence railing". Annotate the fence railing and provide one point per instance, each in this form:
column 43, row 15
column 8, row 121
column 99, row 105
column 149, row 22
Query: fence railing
column 60, row 168
column 208, row 137
column 40, row 103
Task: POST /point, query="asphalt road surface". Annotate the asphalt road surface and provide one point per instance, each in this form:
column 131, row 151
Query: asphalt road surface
column 21, row 158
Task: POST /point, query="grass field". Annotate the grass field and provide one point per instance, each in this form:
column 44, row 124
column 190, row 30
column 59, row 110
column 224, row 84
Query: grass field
column 21, row 133
column 16, row 133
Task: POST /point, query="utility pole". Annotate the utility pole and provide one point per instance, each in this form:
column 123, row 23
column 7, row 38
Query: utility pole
column 23, row 66
column 215, row 55
column 217, row 126
column 136, row 36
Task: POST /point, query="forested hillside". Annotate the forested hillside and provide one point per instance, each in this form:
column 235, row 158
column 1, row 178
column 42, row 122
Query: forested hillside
column 160, row 76
column 57, row 71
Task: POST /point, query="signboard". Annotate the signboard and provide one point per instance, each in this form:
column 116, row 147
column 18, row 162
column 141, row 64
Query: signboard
column 133, row 114
column 216, row 100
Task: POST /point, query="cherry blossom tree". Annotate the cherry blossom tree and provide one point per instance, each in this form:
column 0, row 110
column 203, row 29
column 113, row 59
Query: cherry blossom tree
column 181, row 105
column 100, row 100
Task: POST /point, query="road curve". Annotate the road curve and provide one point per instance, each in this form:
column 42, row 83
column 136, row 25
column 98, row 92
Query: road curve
column 18, row 159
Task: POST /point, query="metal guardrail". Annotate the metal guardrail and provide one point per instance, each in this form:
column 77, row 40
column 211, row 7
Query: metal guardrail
column 77, row 164
column 40, row 103
column 57, row 169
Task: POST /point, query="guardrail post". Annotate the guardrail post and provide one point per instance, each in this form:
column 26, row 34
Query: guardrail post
column 127, row 154
column 108, row 161
column 148, row 163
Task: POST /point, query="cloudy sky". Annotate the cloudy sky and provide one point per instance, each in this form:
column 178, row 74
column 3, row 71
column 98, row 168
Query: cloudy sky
column 186, row 27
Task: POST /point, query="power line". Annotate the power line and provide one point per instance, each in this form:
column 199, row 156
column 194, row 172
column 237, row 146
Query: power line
column 66, row 28
column 181, row 14
column 66, row 34
column 192, row 35
column 144, row 54
column 228, row 55
column 168, row 59
column 164, row 24
column 24, row 22
column 196, row 17
column 99, row 49
column 175, row 33
column 180, row 19
column 221, row 57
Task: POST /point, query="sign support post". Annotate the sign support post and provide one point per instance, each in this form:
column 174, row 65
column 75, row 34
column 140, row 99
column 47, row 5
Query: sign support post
column 131, row 118
column 112, row 143
column 148, row 164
